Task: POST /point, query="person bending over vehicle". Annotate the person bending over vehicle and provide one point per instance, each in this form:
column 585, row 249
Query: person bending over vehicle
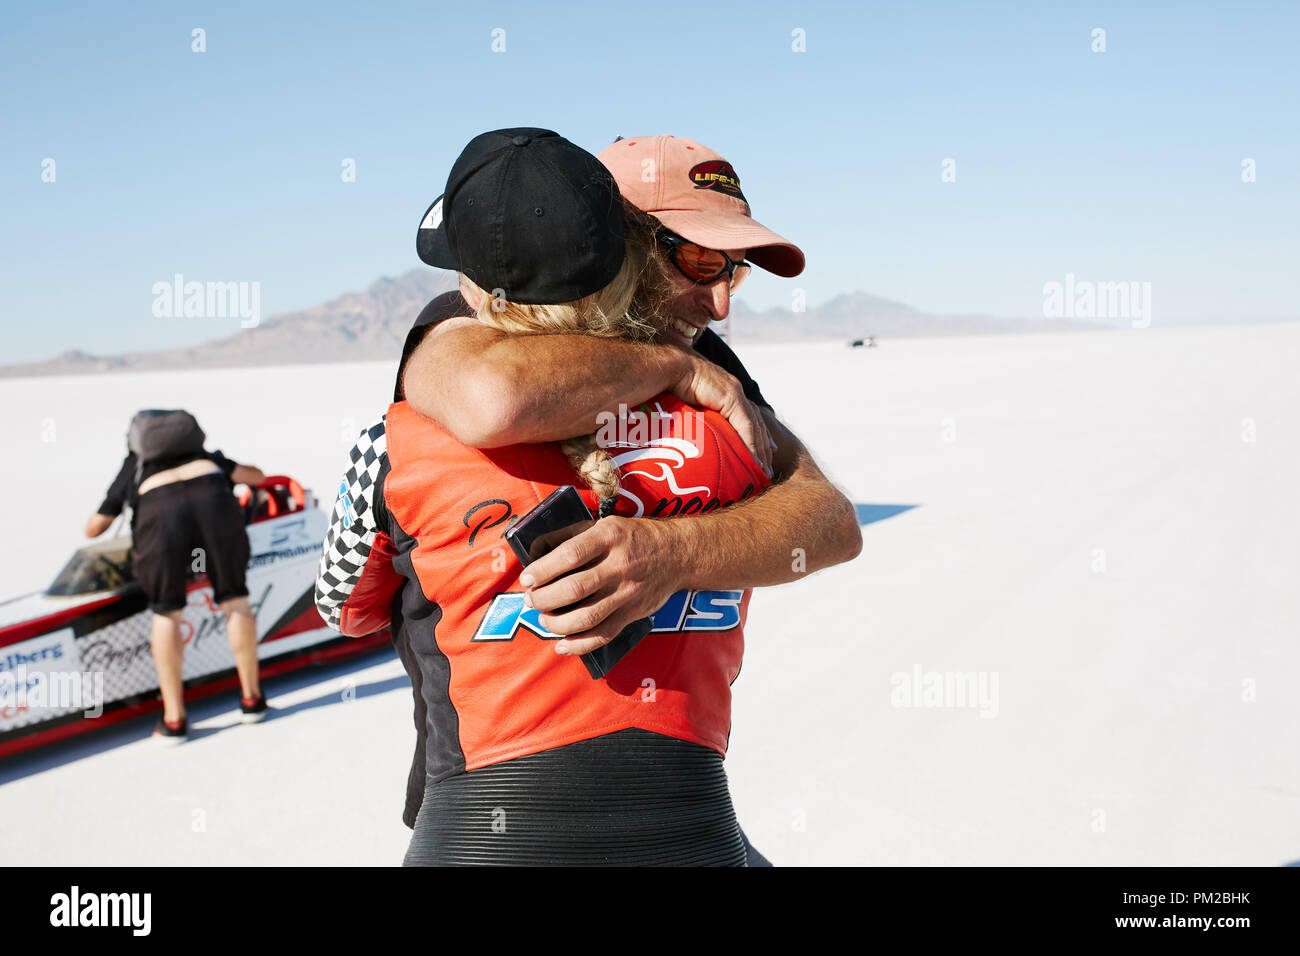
column 182, row 507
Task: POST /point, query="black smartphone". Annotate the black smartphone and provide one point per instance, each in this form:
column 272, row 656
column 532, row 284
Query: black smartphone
column 561, row 516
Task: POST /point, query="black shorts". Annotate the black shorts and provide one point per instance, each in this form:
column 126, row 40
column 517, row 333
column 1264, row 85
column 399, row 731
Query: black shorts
column 188, row 527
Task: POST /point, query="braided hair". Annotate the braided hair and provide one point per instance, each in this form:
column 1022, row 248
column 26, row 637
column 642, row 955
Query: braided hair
column 596, row 468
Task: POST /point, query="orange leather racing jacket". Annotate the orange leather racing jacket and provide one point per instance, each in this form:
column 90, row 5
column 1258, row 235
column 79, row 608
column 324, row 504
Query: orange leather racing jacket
column 428, row 544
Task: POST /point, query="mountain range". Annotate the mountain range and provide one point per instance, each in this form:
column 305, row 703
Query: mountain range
column 372, row 325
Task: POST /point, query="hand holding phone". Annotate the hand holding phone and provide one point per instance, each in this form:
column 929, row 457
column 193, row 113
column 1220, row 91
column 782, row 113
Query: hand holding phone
column 562, row 516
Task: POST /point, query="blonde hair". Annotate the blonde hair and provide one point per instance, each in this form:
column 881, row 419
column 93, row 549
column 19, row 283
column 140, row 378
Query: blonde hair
column 623, row 309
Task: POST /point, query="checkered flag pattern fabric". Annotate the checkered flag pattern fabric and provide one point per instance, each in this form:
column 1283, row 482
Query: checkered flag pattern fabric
column 352, row 528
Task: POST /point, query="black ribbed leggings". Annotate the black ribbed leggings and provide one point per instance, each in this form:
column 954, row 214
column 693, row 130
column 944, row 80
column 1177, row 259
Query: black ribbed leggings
column 631, row 798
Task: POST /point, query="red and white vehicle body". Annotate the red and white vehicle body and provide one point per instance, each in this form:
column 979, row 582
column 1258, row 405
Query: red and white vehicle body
column 76, row 657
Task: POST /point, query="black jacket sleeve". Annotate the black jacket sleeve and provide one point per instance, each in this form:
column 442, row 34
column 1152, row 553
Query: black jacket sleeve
column 719, row 353
column 225, row 464
column 120, row 489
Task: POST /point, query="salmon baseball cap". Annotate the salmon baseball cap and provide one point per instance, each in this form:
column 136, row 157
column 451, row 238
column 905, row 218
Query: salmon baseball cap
column 696, row 193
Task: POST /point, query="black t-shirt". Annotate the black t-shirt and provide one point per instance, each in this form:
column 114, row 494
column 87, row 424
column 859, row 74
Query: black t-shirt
column 451, row 304
column 711, row 346
column 123, row 489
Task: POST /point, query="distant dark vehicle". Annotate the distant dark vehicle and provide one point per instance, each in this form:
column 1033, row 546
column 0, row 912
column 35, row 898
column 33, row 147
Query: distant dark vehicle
column 856, row 344
column 869, row 342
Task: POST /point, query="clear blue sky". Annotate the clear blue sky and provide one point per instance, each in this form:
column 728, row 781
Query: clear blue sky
column 225, row 165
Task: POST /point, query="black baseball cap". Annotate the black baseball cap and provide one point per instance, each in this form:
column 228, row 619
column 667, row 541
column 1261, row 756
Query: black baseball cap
column 527, row 212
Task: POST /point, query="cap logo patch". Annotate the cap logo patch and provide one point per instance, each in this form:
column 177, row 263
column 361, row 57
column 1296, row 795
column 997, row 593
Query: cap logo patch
column 433, row 218
column 717, row 174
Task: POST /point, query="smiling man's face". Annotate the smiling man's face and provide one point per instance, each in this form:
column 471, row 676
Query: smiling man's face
column 692, row 307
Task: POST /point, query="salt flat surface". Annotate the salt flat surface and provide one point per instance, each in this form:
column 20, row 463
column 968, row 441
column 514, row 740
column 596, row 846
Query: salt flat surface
column 1104, row 524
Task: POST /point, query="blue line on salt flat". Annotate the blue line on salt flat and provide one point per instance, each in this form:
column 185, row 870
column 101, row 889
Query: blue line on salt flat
column 871, row 513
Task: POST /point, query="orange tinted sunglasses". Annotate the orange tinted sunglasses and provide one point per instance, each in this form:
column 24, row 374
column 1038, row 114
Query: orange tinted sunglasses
column 702, row 265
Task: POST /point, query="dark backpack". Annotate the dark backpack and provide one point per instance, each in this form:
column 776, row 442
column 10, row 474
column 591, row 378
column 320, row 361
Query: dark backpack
column 157, row 434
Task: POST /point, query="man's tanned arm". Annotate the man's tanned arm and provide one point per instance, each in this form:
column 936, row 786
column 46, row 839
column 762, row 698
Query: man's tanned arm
column 804, row 522
column 490, row 389
column 799, row 525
